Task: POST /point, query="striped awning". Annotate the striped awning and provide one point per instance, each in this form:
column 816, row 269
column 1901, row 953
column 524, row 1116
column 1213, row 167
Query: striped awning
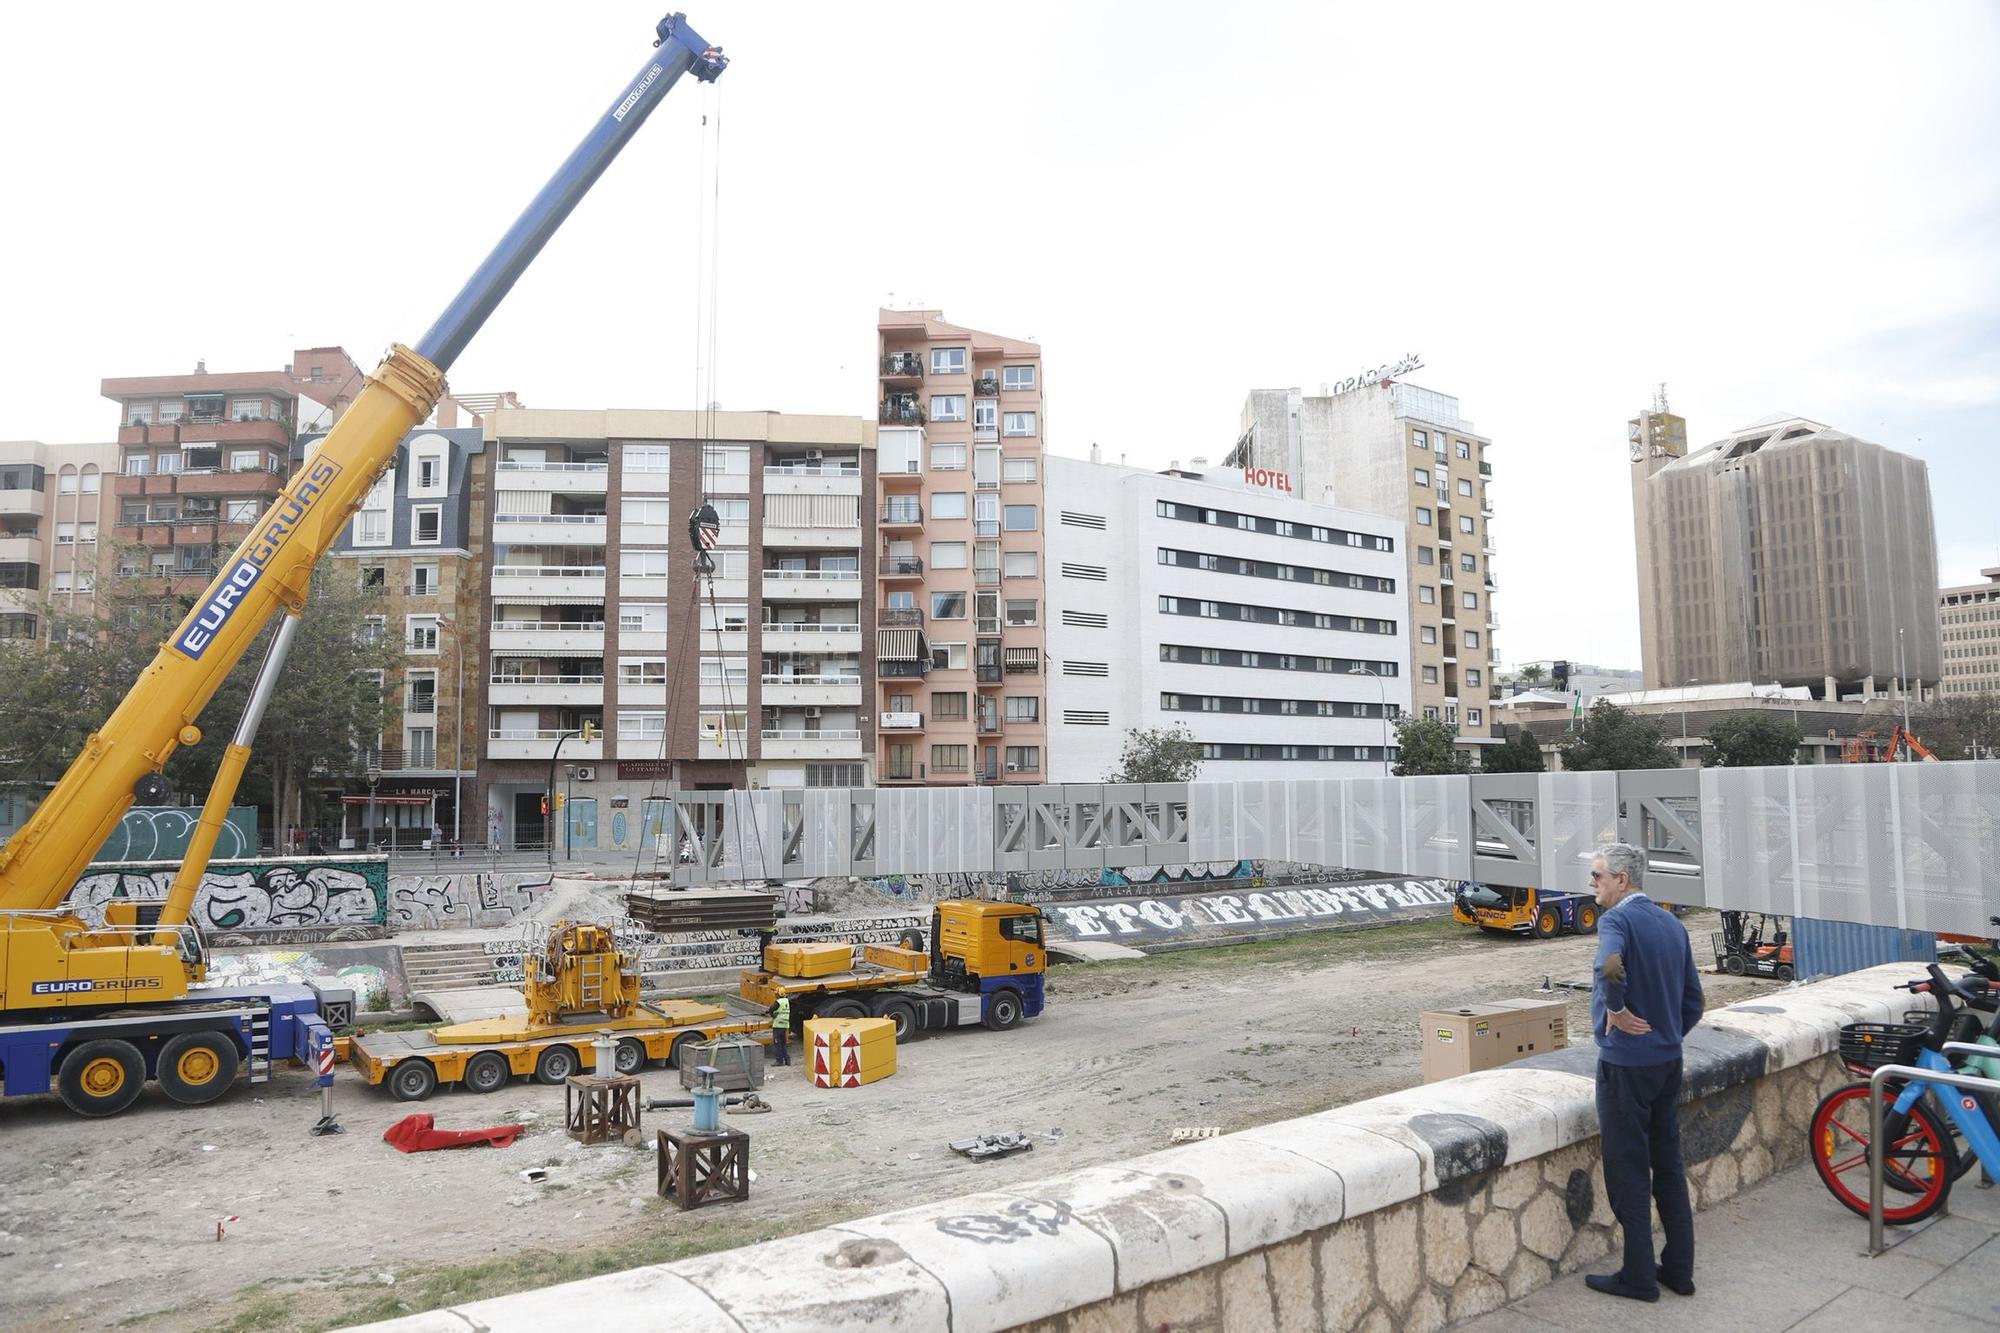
column 897, row 645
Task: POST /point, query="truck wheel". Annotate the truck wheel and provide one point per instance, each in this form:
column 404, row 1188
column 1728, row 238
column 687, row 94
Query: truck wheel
column 412, row 1081
column 912, row 939
column 1733, row 965
column 685, row 1042
column 1547, row 923
column 630, row 1056
column 102, row 1077
column 198, row 1067
column 1003, row 1010
column 843, row 1009
column 1586, row 919
column 558, row 1062
column 486, row 1072
column 903, row 1014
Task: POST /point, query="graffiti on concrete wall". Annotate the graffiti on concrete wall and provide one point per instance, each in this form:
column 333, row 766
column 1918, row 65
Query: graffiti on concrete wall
column 161, row 832
column 374, row 973
column 1187, row 916
column 249, row 896
column 457, row 900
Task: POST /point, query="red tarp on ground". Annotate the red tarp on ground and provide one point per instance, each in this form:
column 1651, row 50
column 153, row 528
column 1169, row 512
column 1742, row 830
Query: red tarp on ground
column 413, row 1133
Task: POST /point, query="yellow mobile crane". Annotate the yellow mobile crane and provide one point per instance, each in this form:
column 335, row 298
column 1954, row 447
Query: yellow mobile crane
column 97, row 1010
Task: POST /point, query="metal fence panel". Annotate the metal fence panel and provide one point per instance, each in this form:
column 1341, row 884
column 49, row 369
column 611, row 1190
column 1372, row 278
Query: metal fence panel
column 1945, row 817
column 1576, row 814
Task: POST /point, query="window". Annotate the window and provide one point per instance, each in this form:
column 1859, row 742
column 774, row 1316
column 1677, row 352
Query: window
column 1472, row 676
column 1472, row 717
column 246, row 409
column 420, row 634
column 642, row 726
column 66, row 483
column 947, row 606
column 1427, row 595
column 947, row 407
column 836, row 775
column 1021, row 612
column 1018, row 423
column 725, row 617
column 1430, row 675
column 427, row 468
column 647, row 458
column 948, row 657
column 90, row 481
column 947, row 555
column 732, row 513
column 1423, row 477
column 947, row 458
column 1019, row 564
column 950, row 706
column 1017, row 470
column 947, row 360
column 645, row 513
column 642, row 564
column 1471, row 601
column 732, row 672
column 420, row 692
column 1024, row 759
column 1465, row 523
column 65, row 534
column 985, row 418
column 1428, row 634
column 240, row 511
column 166, row 463
column 949, row 758
column 1419, row 440
column 726, row 467
column 1472, row 638
column 1424, row 555
column 1018, row 518
column 643, row 617
column 1464, row 451
column 1423, row 516
column 1023, row 708
column 172, row 409
column 420, row 747
column 642, row 670
column 1464, row 486
column 423, row 580
column 132, row 511
column 1469, row 563
column 948, row 504
column 138, row 465
column 1017, row 377
column 426, row 524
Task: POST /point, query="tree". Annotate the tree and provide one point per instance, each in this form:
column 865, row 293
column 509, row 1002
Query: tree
column 1427, row 747
column 1157, row 754
column 1611, row 737
column 1521, row 753
column 1751, row 740
column 1531, row 674
column 1960, row 726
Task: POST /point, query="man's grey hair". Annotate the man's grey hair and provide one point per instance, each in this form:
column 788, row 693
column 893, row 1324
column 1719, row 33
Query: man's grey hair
column 1622, row 858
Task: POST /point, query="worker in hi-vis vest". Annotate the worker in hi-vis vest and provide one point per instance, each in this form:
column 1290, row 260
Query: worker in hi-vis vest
column 781, row 1029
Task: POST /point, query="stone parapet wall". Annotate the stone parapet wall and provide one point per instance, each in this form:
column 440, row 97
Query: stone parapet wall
column 1398, row 1213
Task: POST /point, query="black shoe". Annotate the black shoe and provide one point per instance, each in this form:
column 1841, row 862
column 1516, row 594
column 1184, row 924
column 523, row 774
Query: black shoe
column 1611, row 1284
column 1684, row 1287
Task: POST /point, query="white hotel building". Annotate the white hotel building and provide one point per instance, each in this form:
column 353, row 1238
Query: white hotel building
column 1274, row 628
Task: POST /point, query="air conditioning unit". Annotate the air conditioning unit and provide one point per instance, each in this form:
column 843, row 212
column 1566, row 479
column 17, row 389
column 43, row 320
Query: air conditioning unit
column 815, row 455
column 584, row 773
column 812, row 712
column 1013, row 768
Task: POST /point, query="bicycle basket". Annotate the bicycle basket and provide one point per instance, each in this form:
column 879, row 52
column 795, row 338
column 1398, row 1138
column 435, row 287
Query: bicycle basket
column 1872, row 1045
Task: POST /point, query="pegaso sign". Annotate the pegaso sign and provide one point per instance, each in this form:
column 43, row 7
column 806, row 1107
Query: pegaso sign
column 1377, row 375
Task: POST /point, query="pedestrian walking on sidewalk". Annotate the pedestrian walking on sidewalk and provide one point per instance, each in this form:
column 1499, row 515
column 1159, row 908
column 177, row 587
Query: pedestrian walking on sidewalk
column 1646, row 998
column 781, row 1029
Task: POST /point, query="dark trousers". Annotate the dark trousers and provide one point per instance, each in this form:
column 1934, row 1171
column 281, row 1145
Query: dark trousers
column 1638, row 1113
column 779, row 1055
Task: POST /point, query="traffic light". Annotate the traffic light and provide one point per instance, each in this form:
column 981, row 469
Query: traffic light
column 561, row 800
column 591, row 731
column 545, row 805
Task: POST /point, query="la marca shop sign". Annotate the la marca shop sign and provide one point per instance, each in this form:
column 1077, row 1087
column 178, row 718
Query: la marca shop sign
column 1377, row 375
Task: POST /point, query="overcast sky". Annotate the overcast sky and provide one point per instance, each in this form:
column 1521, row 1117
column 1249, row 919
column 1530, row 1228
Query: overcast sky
column 1769, row 207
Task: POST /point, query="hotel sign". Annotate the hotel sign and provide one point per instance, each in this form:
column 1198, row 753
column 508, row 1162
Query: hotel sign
column 1380, row 375
column 1268, row 479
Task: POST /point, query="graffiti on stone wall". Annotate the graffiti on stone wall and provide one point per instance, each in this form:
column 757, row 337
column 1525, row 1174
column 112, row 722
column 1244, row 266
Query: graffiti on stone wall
column 1170, row 917
column 253, row 896
column 454, row 901
column 799, row 900
column 160, row 832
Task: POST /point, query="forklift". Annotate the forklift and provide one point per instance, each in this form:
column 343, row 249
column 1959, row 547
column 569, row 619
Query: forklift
column 1742, row 949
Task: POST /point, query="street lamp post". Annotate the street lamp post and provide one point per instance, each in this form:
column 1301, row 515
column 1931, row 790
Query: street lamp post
column 368, row 824
column 569, row 794
column 458, row 735
column 1382, row 695
column 548, row 830
column 1684, row 720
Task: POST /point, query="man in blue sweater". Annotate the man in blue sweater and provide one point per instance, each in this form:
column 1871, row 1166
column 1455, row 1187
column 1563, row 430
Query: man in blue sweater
column 1646, row 998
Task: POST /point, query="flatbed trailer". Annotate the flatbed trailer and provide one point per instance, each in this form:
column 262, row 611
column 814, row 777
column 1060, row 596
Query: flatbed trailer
column 485, row 1056
column 897, row 984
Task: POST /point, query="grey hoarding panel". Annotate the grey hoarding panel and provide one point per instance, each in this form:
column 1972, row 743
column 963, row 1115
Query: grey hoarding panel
column 1168, row 815
column 1577, row 813
column 1437, row 821
column 1085, row 843
column 1948, row 819
column 1660, row 810
column 1010, row 828
column 1747, row 832
column 1211, row 822
column 1048, row 828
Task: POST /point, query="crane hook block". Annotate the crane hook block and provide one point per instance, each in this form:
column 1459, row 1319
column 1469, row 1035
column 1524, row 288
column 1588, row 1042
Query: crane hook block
column 704, row 530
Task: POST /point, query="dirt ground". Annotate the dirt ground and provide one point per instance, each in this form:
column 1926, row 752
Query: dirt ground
column 112, row 1222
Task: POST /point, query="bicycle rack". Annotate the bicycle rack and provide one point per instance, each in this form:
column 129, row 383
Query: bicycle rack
column 1968, row 1082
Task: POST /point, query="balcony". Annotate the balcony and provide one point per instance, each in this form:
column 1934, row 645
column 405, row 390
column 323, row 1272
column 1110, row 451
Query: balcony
column 793, row 637
column 899, row 722
column 900, row 567
column 813, row 479
column 987, row 673
column 1444, row 497
column 786, row 744
column 23, row 502
column 909, row 669
column 1485, row 469
column 207, row 428
column 812, row 585
column 989, row 721
column 564, row 638
column 811, row 691
column 901, row 412
column 513, row 743
column 553, row 478
column 986, row 527
column 552, row 690
column 904, row 513
column 986, row 386
column 20, row 550
column 550, row 529
column 900, row 615
column 902, row 366
column 530, row 583
column 986, row 577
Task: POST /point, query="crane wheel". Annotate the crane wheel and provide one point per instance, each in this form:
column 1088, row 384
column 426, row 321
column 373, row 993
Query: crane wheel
column 630, row 1056
column 486, row 1072
column 1547, row 923
column 197, row 1067
column 100, row 1078
column 412, row 1081
column 1586, row 919
column 558, row 1062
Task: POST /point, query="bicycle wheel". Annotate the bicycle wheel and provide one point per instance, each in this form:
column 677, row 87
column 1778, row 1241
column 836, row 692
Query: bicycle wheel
column 1918, row 1170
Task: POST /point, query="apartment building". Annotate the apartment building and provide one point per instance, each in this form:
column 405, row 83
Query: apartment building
column 417, row 548
column 1403, row 452
column 54, row 508
column 1271, row 627
column 1788, row 552
column 1969, row 625
column 761, row 677
column 962, row 522
column 202, row 455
